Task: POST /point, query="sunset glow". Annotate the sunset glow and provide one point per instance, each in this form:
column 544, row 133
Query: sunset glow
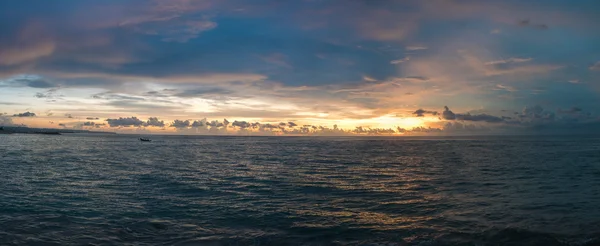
column 330, row 67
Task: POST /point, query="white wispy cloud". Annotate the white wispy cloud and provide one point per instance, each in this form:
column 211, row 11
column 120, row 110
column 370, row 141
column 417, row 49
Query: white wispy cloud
column 416, row 47
column 398, row 61
column 509, row 60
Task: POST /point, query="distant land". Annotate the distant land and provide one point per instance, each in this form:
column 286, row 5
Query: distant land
column 47, row 131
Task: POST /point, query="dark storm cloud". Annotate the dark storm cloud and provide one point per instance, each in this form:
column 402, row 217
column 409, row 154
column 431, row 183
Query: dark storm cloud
column 126, row 122
column 26, row 114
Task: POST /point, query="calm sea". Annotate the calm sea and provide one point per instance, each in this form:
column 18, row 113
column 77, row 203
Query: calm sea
column 116, row 190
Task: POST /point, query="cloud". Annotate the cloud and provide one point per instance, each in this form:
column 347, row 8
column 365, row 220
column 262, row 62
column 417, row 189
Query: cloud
column 9, row 103
column 509, row 60
column 147, row 77
column 572, row 110
column 458, row 127
column 92, row 118
column 31, row 43
column 49, row 94
column 523, row 22
column 527, row 23
column 180, row 124
column 506, row 88
column 373, row 131
column 422, row 112
column 198, row 123
column 204, row 92
column 5, row 121
column 31, row 81
column 413, row 48
column 531, row 120
column 479, row 117
column 70, row 116
column 190, row 30
column 278, row 59
column 153, row 121
column 595, row 67
column 36, row 83
column 175, row 20
column 533, row 112
column 447, row 114
column 89, row 123
column 421, row 129
column 26, row 114
column 13, row 56
column 400, row 60
column 125, row 122
column 383, row 25
column 214, row 123
column 241, row 124
column 116, row 47
column 369, row 79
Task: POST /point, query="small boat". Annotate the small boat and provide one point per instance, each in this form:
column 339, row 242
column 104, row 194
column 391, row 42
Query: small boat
column 145, row 140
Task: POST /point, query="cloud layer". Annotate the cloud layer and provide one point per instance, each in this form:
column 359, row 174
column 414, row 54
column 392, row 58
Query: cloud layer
column 369, row 67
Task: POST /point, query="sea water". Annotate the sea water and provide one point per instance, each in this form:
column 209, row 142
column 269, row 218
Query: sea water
column 183, row 190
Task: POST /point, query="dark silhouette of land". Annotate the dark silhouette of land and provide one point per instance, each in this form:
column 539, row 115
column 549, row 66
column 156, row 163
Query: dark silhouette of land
column 45, row 131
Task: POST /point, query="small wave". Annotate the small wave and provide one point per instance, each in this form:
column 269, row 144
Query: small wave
column 509, row 237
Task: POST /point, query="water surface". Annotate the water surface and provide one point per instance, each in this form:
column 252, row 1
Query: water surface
column 116, row 190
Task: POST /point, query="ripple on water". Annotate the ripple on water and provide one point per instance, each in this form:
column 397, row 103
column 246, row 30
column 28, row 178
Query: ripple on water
column 113, row 190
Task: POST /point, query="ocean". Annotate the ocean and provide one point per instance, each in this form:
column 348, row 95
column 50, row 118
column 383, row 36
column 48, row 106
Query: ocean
column 78, row 189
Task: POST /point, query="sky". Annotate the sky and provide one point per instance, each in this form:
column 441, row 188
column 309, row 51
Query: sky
column 303, row 67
